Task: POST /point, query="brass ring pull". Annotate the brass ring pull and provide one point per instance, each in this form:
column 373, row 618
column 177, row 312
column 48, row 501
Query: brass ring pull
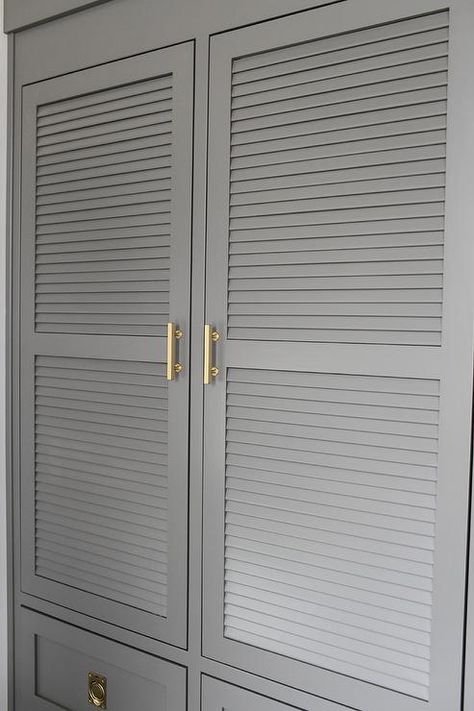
column 97, row 687
column 210, row 336
column 172, row 367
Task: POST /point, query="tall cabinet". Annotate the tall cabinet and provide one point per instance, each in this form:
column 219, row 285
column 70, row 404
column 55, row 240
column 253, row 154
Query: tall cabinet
column 242, row 310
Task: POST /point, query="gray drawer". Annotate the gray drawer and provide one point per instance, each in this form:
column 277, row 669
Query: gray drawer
column 219, row 696
column 222, row 696
column 56, row 660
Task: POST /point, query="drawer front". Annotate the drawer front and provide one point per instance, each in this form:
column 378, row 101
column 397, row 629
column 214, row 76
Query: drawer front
column 57, row 660
column 220, row 696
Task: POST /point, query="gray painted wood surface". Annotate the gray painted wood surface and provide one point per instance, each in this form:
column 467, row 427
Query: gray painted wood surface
column 442, row 317
column 217, row 696
column 330, row 521
column 103, row 199
column 22, row 13
column 263, row 461
column 337, row 188
column 104, row 434
column 57, row 659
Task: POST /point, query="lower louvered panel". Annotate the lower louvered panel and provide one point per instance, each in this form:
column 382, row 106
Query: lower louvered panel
column 329, row 523
column 101, row 478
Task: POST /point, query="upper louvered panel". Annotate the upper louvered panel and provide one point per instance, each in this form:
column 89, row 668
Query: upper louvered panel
column 337, row 188
column 330, row 513
column 101, row 448
column 103, row 211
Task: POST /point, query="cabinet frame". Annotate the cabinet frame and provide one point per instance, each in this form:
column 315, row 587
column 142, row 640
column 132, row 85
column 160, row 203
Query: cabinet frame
column 31, row 59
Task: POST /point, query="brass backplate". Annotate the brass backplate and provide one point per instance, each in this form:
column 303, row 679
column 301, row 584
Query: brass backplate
column 97, row 690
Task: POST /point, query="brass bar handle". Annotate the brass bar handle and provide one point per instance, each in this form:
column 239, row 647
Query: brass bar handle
column 172, row 367
column 210, row 336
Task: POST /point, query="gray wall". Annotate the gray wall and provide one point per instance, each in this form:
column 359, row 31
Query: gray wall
column 3, row 586
column 21, row 13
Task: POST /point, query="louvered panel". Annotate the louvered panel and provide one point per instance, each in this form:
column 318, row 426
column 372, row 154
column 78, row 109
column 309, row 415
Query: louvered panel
column 101, row 453
column 151, row 103
column 337, row 188
column 355, row 44
column 104, row 196
column 93, row 103
column 329, row 521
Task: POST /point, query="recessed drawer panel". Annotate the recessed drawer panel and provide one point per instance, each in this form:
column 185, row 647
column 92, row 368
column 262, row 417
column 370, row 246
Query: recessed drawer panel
column 63, row 667
column 220, row 696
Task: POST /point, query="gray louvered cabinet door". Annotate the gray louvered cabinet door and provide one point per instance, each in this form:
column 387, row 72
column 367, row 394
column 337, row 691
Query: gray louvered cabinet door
column 105, row 244
column 337, row 431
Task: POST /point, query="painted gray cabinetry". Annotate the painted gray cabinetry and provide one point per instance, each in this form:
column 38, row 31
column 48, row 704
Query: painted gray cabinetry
column 216, row 696
column 22, row 13
column 57, row 660
column 291, row 534
column 107, row 156
column 335, row 463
